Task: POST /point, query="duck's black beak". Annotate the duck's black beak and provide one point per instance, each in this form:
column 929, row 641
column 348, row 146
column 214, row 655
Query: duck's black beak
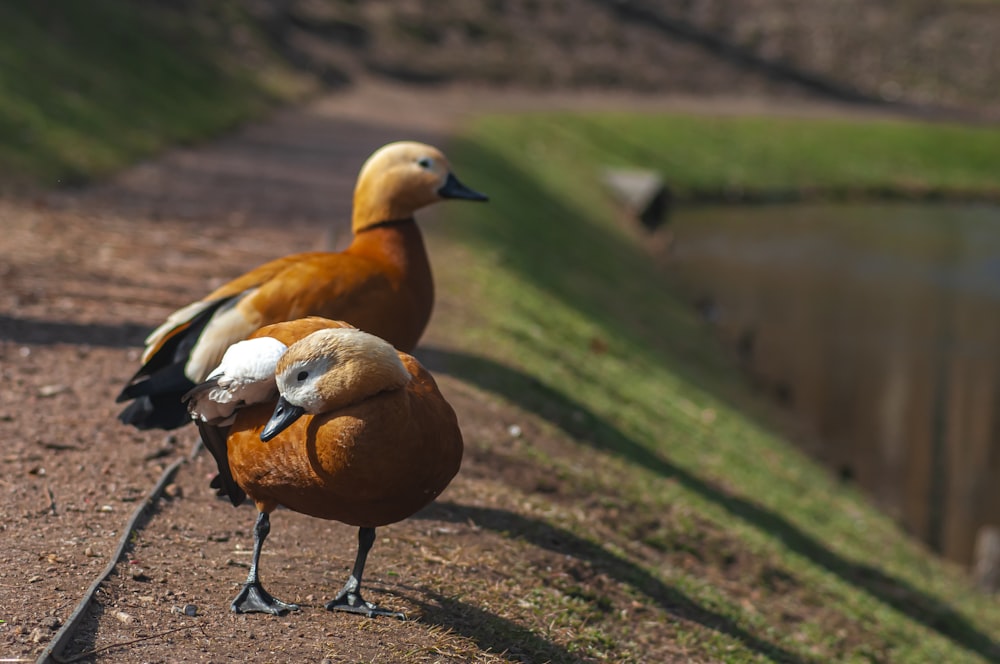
column 452, row 188
column 284, row 415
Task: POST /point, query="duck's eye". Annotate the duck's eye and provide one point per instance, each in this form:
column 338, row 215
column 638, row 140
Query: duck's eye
column 424, row 162
column 302, row 376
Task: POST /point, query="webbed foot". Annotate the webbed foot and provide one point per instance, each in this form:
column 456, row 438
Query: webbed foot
column 349, row 598
column 353, row 602
column 254, row 599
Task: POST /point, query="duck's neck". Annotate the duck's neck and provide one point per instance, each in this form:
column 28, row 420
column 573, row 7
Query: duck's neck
column 396, row 243
column 370, row 210
column 398, row 249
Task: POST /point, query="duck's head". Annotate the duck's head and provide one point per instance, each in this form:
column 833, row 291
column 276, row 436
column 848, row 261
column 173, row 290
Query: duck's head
column 331, row 369
column 399, row 179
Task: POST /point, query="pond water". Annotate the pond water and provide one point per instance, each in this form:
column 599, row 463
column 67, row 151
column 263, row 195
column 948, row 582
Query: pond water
column 879, row 327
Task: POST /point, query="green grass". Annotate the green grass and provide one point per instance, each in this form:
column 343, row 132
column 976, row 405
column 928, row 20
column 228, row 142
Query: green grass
column 89, row 87
column 761, row 158
column 577, row 326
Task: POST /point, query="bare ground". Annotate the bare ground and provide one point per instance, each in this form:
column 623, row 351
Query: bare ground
column 86, row 274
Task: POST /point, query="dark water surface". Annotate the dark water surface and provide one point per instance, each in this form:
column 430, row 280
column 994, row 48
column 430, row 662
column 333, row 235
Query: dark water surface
column 879, row 325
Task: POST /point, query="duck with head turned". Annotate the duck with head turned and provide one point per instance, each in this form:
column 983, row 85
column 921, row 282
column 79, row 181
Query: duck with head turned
column 381, row 283
column 340, row 425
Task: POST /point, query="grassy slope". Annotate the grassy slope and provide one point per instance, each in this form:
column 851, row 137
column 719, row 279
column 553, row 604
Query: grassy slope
column 86, row 88
column 742, row 546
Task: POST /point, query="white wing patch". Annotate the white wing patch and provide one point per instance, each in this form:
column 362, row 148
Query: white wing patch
column 244, row 376
column 227, row 327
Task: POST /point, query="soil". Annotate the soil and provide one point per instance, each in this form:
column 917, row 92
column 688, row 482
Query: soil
column 86, row 274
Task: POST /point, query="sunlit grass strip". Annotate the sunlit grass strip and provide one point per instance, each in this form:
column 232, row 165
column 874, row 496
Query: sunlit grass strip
column 727, row 158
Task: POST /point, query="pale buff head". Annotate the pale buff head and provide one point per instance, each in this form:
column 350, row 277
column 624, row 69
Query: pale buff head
column 333, row 368
column 399, row 179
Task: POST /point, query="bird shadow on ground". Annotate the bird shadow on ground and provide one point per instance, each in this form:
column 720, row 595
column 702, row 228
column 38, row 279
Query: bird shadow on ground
column 490, row 632
column 534, row 396
column 48, row 332
column 563, row 542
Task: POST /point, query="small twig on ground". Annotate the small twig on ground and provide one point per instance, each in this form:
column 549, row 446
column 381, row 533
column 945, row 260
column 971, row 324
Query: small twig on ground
column 159, row 454
column 52, row 501
column 59, row 447
column 122, row 644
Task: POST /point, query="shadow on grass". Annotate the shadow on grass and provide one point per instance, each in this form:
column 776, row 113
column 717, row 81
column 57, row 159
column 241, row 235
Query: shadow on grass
column 490, row 632
column 47, row 332
column 563, row 542
column 533, row 396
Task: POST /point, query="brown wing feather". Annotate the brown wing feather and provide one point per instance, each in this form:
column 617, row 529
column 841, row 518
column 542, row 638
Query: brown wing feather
column 254, row 279
column 262, row 274
column 334, row 286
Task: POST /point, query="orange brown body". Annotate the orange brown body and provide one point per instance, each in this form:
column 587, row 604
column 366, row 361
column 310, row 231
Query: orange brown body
column 367, row 464
column 355, row 431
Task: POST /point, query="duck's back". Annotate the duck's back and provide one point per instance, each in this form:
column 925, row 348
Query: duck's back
column 381, row 284
column 336, row 286
column 369, row 464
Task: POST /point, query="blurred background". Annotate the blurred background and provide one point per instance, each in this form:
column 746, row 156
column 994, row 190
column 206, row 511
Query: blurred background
column 83, row 68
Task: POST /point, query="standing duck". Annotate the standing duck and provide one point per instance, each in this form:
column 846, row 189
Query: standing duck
column 328, row 421
column 381, row 284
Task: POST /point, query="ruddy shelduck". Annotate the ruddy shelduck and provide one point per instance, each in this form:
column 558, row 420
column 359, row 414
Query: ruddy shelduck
column 328, row 421
column 381, row 284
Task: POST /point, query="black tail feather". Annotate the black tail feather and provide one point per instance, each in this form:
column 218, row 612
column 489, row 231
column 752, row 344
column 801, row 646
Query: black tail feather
column 157, row 387
column 157, row 411
column 215, row 442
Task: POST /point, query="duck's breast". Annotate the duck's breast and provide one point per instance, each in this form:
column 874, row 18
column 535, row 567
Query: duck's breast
column 368, row 465
column 401, row 308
